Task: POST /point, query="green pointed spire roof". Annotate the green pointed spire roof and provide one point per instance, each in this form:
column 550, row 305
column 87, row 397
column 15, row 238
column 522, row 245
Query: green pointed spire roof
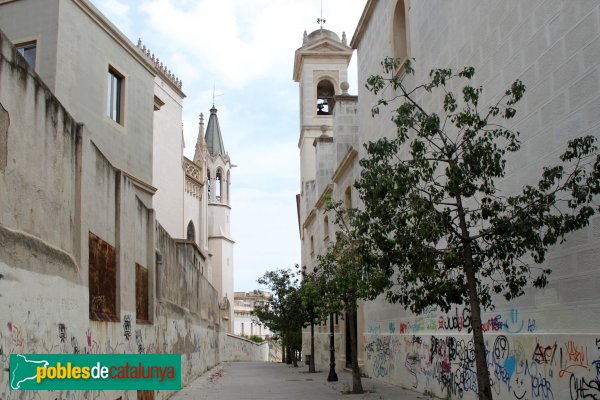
column 214, row 140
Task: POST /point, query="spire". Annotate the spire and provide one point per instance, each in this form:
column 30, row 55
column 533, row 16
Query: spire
column 213, row 137
column 200, row 142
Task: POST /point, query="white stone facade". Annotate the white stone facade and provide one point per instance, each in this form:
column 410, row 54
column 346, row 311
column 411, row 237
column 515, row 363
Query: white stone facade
column 543, row 344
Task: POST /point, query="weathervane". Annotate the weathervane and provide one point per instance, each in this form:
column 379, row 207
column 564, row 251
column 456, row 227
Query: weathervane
column 321, row 21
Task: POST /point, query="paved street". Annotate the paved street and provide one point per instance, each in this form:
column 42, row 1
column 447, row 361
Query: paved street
column 275, row 381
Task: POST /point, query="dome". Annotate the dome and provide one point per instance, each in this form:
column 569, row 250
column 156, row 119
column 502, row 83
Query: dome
column 321, row 34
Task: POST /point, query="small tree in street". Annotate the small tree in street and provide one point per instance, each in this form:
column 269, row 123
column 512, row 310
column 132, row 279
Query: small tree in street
column 282, row 313
column 314, row 309
column 435, row 223
column 341, row 279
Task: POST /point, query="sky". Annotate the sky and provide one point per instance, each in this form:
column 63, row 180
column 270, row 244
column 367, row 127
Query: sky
column 245, row 50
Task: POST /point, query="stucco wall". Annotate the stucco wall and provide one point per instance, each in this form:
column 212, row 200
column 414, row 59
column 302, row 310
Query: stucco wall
column 237, row 348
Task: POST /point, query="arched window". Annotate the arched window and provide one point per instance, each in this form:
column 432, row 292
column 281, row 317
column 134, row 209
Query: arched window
column 326, row 228
column 219, row 184
column 325, row 93
column 191, row 231
column 399, row 28
column 209, row 183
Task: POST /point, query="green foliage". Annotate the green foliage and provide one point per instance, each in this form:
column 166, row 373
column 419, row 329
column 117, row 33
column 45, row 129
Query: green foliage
column 283, row 312
column 256, row 338
column 430, row 193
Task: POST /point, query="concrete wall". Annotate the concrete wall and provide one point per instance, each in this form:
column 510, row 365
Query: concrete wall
column 237, row 348
column 543, row 344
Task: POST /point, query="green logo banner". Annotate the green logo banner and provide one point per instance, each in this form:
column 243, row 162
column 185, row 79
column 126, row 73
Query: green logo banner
column 95, row 371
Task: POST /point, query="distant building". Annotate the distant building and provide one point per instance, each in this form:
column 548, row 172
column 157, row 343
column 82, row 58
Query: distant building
column 244, row 323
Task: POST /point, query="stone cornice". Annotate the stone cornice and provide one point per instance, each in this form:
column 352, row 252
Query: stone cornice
column 326, row 192
column 311, row 217
column 163, row 72
column 347, row 161
column 193, row 244
column 322, row 48
column 217, row 203
column 222, row 237
column 140, row 184
column 305, row 128
column 362, row 23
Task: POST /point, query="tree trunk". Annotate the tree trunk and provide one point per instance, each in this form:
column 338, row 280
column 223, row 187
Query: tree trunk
column 356, row 381
column 311, row 364
column 283, row 360
column 294, row 358
column 288, row 354
column 483, row 374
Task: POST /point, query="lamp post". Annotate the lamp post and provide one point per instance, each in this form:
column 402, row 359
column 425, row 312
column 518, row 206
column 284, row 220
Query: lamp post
column 332, row 377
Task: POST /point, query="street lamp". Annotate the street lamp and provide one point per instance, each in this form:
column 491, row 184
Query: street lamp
column 332, row 377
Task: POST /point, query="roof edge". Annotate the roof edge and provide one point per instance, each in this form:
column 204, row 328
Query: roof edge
column 362, row 23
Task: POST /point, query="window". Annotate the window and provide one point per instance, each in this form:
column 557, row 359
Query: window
column 219, row 184
column 312, row 246
column 102, row 280
column 191, row 232
column 28, row 51
column 348, row 198
column 209, row 183
column 114, row 97
column 142, row 312
column 242, row 329
column 325, row 93
column 326, row 228
column 399, row 29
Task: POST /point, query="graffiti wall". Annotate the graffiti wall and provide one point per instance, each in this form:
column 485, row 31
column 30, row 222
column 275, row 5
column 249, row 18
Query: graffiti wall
column 435, row 354
column 322, row 346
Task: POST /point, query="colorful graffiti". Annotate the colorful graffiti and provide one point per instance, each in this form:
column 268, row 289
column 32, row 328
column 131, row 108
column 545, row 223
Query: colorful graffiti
column 536, row 367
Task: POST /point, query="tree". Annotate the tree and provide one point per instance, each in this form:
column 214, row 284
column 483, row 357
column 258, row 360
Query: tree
column 435, row 222
column 282, row 313
column 340, row 276
column 313, row 308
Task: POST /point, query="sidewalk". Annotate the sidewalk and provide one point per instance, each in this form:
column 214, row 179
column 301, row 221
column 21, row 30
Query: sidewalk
column 276, row 381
